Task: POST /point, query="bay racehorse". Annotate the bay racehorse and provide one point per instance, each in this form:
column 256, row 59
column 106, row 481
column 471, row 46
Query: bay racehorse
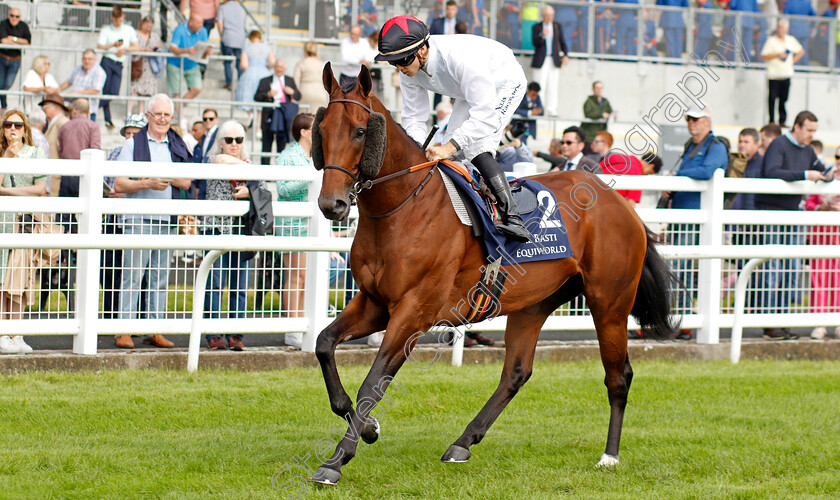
column 414, row 261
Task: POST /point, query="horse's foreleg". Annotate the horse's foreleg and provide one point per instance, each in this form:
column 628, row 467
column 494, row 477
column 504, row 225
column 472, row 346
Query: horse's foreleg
column 363, row 422
column 523, row 330
column 360, row 318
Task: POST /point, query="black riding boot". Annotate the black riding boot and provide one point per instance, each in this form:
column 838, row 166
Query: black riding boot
column 512, row 225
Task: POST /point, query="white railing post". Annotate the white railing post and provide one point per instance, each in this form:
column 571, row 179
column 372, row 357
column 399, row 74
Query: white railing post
column 740, row 307
column 88, row 261
column 199, row 290
column 317, row 279
column 709, row 270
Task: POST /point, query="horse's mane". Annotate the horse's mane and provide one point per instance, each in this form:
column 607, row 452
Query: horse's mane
column 350, row 85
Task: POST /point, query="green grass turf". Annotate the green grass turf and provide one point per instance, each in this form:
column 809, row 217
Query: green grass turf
column 766, row 429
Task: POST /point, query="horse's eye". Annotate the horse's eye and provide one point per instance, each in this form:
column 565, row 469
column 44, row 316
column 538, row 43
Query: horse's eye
column 360, row 132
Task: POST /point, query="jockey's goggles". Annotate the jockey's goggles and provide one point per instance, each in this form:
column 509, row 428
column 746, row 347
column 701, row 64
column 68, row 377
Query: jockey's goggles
column 405, row 61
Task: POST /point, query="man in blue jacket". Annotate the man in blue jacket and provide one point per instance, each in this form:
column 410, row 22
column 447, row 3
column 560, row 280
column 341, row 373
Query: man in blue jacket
column 703, row 155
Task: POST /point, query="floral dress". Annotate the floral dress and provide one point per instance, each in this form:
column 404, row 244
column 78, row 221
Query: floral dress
column 147, row 84
column 292, row 156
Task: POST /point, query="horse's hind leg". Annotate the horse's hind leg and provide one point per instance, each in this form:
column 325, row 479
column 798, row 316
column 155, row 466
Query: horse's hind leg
column 611, row 325
column 360, row 318
column 523, row 330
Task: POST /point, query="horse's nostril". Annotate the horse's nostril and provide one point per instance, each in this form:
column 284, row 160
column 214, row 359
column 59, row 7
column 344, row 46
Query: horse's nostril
column 340, row 206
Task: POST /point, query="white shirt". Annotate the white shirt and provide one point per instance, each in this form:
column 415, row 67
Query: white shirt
column 778, row 69
column 549, row 38
column 467, row 68
column 278, row 83
column 207, row 144
column 449, row 26
column 33, row 80
column 352, row 55
column 110, row 35
column 574, row 163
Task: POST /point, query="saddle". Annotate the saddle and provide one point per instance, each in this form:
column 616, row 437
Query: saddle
column 462, row 203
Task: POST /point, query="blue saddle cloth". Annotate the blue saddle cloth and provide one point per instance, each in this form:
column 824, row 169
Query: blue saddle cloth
column 538, row 209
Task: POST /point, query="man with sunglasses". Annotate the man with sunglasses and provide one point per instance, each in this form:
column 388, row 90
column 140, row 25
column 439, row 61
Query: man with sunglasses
column 487, row 83
column 703, row 154
column 13, row 31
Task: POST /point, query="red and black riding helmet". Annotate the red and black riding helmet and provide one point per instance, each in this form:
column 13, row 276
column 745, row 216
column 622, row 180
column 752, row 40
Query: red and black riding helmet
column 400, row 38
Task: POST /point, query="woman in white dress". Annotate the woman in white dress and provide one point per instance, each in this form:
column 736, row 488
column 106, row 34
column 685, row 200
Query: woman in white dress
column 39, row 81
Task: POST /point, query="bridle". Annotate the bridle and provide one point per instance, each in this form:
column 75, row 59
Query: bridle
column 360, row 185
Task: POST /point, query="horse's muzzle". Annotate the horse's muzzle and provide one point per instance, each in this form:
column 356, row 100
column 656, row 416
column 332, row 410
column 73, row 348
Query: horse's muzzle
column 334, row 208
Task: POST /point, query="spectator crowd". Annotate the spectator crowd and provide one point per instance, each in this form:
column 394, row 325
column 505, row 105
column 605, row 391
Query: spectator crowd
column 59, row 121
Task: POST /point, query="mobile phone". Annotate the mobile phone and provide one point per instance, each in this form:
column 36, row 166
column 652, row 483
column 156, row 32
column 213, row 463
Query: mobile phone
column 828, row 174
column 236, row 184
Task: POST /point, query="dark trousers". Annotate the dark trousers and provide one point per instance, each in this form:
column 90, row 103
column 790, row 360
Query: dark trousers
column 8, row 71
column 110, row 274
column 113, row 79
column 779, row 89
column 269, row 137
column 237, row 53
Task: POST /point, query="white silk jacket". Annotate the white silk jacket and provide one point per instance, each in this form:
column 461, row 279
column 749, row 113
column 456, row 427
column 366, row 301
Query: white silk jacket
column 484, row 78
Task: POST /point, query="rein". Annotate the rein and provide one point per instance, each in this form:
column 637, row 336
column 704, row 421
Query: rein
column 359, row 186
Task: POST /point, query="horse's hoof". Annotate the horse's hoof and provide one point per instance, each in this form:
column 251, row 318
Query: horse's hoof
column 456, row 454
column 326, row 476
column 607, row 461
column 370, row 432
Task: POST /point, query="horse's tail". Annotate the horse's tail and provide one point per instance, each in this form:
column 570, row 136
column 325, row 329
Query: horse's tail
column 652, row 308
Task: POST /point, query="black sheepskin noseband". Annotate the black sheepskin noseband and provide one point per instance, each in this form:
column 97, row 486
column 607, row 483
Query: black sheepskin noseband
column 375, row 143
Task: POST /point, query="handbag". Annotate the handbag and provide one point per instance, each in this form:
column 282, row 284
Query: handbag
column 26, row 221
column 136, row 68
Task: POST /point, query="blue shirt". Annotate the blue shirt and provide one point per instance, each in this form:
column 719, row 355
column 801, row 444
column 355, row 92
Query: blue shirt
column 183, row 38
column 159, row 151
column 671, row 19
column 699, row 162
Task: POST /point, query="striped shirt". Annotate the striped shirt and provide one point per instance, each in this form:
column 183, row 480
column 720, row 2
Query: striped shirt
column 93, row 79
column 232, row 17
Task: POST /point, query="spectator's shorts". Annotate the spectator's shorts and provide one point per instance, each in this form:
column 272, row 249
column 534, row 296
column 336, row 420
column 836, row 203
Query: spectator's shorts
column 173, row 74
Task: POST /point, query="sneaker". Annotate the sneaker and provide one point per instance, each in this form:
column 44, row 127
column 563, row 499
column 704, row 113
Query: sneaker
column 235, row 342
column 375, row 339
column 685, row 334
column 818, row 333
column 216, row 343
column 23, row 347
column 294, row 339
column 480, row 338
column 7, row 346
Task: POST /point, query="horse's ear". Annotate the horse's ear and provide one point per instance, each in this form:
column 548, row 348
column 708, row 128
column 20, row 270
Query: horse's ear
column 376, row 140
column 364, row 81
column 329, row 79
column 317, row 149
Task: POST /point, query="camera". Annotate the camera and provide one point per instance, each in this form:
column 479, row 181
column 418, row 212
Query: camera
column 516, row 131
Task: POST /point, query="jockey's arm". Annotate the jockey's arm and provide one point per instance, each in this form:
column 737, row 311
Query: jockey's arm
column 415, row 110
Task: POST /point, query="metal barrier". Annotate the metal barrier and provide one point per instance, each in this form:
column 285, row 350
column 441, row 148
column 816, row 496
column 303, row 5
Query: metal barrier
column 709, row 315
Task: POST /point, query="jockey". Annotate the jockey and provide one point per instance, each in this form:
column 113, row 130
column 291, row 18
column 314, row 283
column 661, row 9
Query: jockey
column 487, row 83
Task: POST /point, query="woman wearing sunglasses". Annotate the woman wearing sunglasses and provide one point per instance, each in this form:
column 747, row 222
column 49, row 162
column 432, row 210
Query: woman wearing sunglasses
column 229, row 269
column 16, row 295
column 487, row 83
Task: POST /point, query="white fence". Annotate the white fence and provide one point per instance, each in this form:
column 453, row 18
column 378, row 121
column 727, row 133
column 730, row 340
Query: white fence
column 708, row 314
